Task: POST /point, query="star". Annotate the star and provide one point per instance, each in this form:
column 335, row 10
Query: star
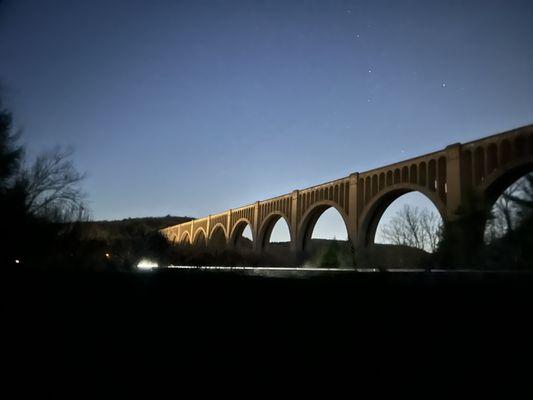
column 443, row 85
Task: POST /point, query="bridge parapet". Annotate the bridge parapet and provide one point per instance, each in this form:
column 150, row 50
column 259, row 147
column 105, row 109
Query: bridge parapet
column 219, row 219
column 185, row 232
column 200, row 227
column 428, row 172
column 337, row 191
column 246, row 212
column 484, row 160
column 280, row 204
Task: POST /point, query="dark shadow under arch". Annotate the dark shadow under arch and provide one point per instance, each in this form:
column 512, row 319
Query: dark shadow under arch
column 200, row 240
column 185, row 239
column 217, row 239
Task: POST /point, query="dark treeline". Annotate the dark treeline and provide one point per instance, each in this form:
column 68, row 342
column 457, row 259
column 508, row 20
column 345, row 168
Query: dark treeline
column 45, row 221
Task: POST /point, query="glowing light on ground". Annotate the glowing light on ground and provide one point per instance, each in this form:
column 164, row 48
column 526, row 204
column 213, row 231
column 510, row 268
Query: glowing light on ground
column 298, row 269
column 145, row 264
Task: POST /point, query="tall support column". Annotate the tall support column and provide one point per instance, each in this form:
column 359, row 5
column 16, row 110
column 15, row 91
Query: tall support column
column 208, row 228
column 255, row 228
column 295, row 212
column 228, row 228
column 454, row 189
column 192, row 232
column 465, row 226
column 353, row 218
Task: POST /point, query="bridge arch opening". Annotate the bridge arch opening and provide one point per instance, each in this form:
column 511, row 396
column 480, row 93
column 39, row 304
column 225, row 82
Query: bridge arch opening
column 324, row 238
column 509, row 202
column 275, row 239
column 200, row 241
column 185, row 239
column 217, row 240
column 242, row 237
column 407, row 220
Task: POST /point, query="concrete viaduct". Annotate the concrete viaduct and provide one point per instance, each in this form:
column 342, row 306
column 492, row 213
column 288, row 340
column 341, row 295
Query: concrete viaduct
column 447, row 177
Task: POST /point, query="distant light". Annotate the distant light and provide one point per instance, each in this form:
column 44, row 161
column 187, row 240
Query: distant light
column 147, row 264
column 107, row 255
column 443, row 85
column 17, row 261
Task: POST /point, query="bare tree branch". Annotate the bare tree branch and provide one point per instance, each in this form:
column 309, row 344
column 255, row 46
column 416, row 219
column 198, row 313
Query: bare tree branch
column 413, row 227
column 53, row 187
column 511, row 208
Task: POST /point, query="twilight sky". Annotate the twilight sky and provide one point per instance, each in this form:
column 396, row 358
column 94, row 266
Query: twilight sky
column 194, row 107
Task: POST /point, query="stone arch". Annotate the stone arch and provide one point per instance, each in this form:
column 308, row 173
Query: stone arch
column 236, row 231
column 310, row 218
column 501, row 179
column 199, row 237
column 373, row 211
column 185, row 238
column 218, row 237
column 266, row 227
column 495, row 185
column 216, row 227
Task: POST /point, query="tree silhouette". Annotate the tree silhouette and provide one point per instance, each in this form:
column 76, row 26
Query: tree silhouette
column 414, row 227
column 36, row 201
column 53, row 187
column 10, row 153
column 510, row 209
column 331, row 256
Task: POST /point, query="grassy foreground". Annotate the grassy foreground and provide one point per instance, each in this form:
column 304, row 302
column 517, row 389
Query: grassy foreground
column 380, row 323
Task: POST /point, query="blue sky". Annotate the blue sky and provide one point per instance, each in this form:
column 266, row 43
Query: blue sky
column 194, row 107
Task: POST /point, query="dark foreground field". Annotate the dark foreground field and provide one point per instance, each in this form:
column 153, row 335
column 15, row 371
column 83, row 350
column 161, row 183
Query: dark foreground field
column 404, row 324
